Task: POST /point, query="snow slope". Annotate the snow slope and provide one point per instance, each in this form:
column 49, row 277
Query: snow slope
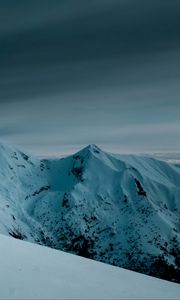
column 30, row 271
column 118, row 209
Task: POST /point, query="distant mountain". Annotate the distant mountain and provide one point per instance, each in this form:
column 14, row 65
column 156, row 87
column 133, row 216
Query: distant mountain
column 118, row 209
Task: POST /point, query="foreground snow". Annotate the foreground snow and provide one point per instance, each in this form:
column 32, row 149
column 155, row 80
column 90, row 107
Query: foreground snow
column 33, row 271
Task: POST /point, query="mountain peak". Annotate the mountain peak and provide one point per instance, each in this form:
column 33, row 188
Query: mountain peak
column 90, row 150
column 93, row 148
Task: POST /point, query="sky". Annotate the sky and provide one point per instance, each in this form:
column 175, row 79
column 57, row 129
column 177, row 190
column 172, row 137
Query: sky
column 105, row 72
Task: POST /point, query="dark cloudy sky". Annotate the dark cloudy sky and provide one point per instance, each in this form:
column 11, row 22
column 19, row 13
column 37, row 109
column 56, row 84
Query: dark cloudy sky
column 79, row 72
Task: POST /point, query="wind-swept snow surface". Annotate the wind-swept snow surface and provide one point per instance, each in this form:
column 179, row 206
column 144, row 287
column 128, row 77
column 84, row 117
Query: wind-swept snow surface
column 118, row 209
column 30, row 271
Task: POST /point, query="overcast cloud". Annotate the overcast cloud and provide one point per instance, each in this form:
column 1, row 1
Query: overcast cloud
column 79, row 72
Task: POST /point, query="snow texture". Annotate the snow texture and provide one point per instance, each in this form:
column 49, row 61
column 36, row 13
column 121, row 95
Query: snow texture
column 30, row 271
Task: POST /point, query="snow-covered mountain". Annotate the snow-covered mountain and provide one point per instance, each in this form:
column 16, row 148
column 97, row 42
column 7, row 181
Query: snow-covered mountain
column 30, row 271
column 118, row 209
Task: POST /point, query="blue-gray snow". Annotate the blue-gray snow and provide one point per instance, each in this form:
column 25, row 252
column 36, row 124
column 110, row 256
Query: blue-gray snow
column 30, row 271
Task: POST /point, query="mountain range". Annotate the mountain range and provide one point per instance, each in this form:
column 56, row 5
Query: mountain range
column 119, row 209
